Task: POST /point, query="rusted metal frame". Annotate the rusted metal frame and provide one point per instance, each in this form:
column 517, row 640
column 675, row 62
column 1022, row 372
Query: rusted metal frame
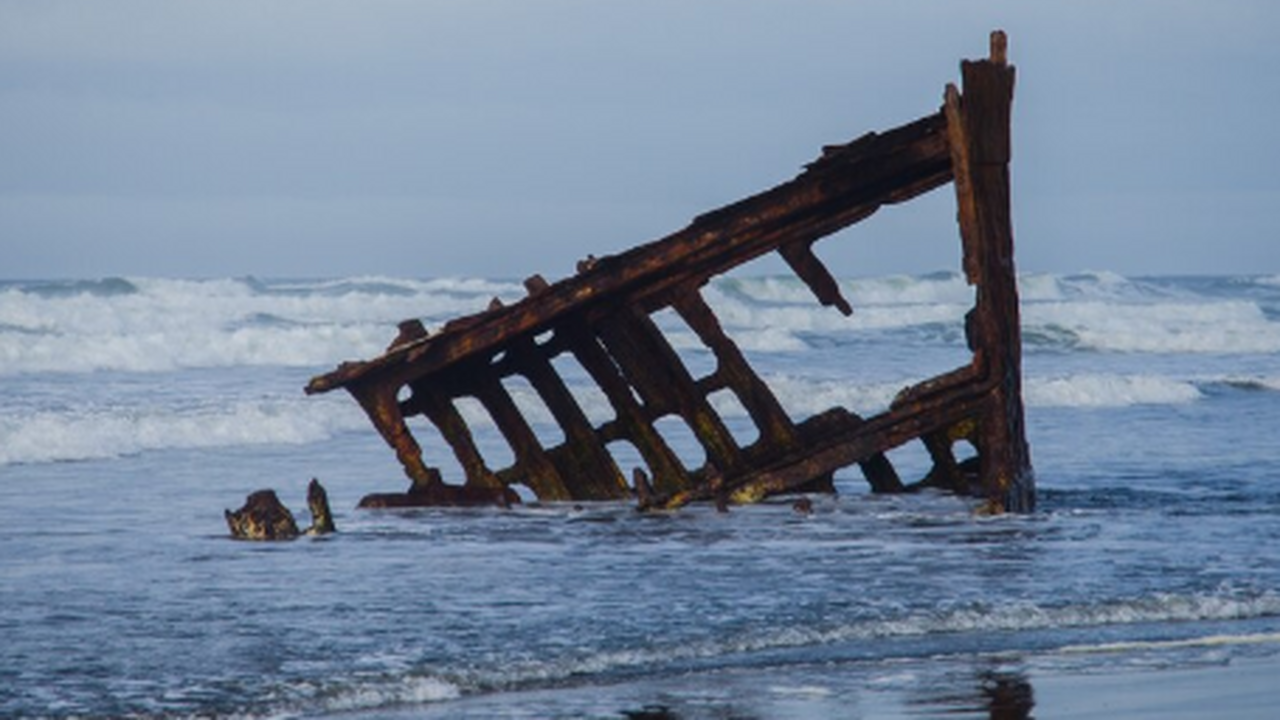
column 890, row 167
column 656, row 371
column 969, row 375
column 838, row 439
column 775, row 426
column 668, row 473
column 876, row 468
column 533, row 466
column 584, row 463
column 881, row 475
column 805, row 226
column 799, row 255
column 794, row 234
column 946, row 473
column 442, row 413
column 380, row 403
column 978, row 125
column 777, row 430
column 962, row 182
column 844, row 186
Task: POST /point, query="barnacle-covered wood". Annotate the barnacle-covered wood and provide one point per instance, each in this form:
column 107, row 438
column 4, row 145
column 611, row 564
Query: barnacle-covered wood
column 602, row 318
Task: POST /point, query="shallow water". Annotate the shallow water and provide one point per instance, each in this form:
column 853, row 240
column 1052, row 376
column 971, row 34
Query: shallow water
column 135, row 410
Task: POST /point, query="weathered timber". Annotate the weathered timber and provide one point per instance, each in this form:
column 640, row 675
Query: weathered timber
column 602, row 317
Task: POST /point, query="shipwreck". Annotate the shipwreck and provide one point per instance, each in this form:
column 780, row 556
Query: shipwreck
column 603, row 317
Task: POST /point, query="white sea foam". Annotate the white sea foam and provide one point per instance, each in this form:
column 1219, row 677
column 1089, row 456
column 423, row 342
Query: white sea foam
column 96, row 431
column 976, row 618
column 780, row 304
column 1194, row 642
column 106, row 432
column 806, row 396
column 166, row 324
column 802, row 397
column 759, row 339
column 151, row 324
column 356, row 695
column 1165, row 327
column 390, row 691
column 1108, row 391
column 944, row 288
column 1039, row 288
column 1095, row 311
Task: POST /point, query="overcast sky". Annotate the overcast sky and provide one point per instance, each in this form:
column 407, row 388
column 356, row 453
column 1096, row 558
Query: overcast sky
column 476, row 138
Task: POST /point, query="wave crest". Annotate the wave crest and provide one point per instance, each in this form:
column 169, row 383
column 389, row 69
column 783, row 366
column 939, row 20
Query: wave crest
column 1158, row 328
column 158, row 324
column 167, row 324
column 109, row 432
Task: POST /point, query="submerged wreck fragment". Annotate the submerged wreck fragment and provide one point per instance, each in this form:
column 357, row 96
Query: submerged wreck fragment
column 264, row 517
column 602, row 318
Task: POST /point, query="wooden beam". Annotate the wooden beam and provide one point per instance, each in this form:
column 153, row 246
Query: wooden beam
column 981, row 154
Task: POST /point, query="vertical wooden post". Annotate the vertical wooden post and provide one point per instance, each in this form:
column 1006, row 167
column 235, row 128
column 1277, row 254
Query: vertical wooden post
column 978, row 129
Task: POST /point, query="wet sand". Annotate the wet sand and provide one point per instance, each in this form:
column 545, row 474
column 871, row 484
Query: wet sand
column 1245, row 688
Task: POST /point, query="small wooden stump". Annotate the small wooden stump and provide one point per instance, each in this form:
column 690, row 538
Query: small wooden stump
column 264, row 517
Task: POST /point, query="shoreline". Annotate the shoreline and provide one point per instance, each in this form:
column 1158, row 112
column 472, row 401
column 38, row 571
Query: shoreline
column 976, row 687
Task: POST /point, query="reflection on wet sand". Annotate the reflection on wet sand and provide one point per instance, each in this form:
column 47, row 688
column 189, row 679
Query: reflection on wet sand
column 994, row 694
column 1009, row 697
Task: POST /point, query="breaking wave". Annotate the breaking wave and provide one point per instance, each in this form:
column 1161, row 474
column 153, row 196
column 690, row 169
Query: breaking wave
column 118, row 431
column 1109, row 391
column 804, row 396
column 51, row 330
column 975, row 618
column 157, row 325
column 1161, row 328
column 108, row 431
column 1091, row 312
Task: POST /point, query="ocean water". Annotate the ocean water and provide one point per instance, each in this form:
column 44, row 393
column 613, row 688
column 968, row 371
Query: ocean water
column 136, row 409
